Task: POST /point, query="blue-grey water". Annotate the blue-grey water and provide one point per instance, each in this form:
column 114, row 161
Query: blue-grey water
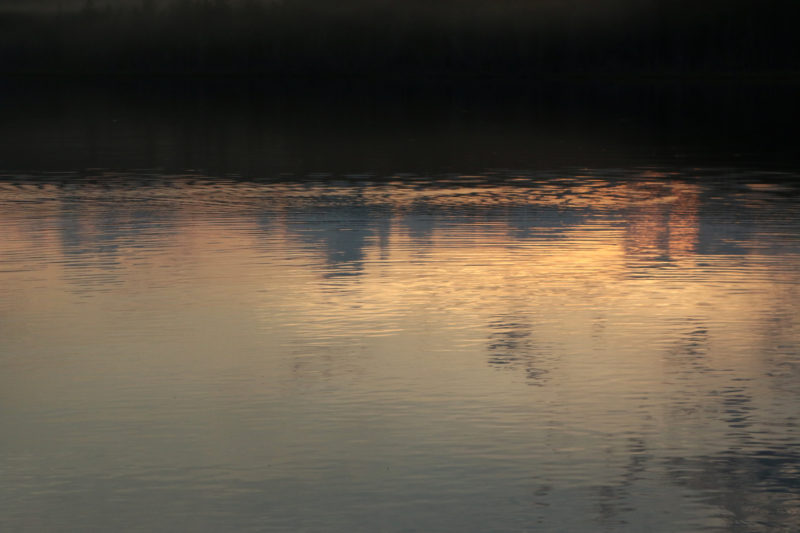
column 579, row 350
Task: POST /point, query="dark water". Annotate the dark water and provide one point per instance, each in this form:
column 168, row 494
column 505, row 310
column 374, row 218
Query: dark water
column 294, row 338
column 263, row 129
column 596, row 350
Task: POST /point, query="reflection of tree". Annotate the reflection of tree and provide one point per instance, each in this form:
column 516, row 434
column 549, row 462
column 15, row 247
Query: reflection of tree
column 758, row 491
column 420, row 226
column 542, row 221
column 511, row 345
column 754, row 481
column 688, row 353
column 95, row 233
column 613, row 500
column 687, row 362
column 781, row 342
column 342, row 233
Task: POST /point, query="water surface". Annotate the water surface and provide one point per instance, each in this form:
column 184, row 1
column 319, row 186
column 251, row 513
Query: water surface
column 581, row 350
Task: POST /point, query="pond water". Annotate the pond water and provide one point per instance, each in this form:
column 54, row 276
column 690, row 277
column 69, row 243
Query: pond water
column 601, row 349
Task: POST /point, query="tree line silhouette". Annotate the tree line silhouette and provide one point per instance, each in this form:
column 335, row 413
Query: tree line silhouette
column 515, row 39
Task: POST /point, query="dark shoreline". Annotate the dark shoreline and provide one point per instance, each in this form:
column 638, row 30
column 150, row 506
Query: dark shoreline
column 260, row 128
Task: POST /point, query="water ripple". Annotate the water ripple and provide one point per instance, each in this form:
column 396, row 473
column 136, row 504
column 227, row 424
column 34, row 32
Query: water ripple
column 574, row 350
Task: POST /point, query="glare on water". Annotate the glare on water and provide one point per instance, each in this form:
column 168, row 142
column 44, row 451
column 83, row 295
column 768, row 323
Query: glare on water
column 569, row 351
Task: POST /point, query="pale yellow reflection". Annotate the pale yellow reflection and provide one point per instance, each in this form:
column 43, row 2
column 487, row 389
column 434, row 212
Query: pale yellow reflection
column 581, row 285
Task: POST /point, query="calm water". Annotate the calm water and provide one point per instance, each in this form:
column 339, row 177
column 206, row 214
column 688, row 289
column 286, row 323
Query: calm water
column 583, row 350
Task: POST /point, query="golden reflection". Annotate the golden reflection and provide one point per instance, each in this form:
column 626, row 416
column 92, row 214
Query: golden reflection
column 569, row 278
column 663, row 221
column 346, row 263
column 290, row 320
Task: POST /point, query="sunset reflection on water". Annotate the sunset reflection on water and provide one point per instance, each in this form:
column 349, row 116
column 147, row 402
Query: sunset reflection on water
column 572, row 351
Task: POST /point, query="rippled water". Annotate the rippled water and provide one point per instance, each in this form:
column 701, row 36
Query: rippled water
column 592, row 350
